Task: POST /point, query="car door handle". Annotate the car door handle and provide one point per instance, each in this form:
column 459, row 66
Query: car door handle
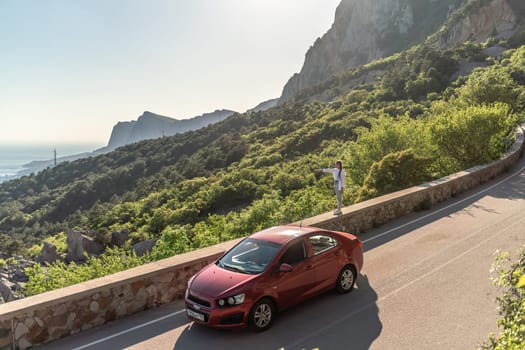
column 309, row 267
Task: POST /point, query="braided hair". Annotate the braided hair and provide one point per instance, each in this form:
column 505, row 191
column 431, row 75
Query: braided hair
column 340, row 163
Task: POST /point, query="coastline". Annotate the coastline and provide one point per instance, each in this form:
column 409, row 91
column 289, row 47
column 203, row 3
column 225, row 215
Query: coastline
column 17, row 160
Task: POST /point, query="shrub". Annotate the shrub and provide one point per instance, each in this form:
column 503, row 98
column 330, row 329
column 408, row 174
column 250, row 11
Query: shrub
column 395, row 171
column 511, row 305
column 59, row 274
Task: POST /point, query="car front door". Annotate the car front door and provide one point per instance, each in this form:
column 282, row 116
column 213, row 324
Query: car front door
column 294, row 286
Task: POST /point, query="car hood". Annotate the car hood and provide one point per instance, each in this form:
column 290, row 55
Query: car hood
column 214, row 281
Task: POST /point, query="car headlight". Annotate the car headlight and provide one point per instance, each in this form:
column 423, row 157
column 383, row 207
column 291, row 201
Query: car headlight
column 230, row 301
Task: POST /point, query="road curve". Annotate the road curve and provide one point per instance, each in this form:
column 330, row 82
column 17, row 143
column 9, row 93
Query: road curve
column 425, row 285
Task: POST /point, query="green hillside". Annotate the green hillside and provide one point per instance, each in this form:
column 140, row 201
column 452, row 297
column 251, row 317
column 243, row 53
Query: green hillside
column 414, row 122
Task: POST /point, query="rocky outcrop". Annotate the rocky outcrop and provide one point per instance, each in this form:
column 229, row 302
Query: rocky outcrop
column 48, row 253
column 92, row 246
column 478, row 21
column 79, row 244
column 75, row 251
column 150, row 125
column 118, row 238
column 12, row 277
column 6, row 290
column 144, row 247
column 365, row 30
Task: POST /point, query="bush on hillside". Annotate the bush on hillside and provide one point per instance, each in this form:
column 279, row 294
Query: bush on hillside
column 394, row 172
column 511, row 305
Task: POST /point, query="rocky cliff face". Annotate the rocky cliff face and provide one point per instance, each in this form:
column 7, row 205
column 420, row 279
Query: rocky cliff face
column 150, row 126
column 365, row 30
column 478, row 21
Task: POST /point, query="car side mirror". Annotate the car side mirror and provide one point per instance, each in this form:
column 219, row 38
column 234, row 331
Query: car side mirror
column 285, row 268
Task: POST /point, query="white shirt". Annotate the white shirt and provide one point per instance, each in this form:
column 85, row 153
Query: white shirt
column 337, row 177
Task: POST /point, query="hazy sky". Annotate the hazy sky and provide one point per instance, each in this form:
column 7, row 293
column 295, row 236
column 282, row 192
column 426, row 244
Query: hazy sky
column 71, row 69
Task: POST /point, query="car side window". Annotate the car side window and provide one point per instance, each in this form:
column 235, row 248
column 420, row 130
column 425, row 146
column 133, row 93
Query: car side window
column 294, row 254
column 321, row 243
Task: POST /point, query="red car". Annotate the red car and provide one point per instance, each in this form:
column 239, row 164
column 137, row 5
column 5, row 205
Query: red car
column 270, row 271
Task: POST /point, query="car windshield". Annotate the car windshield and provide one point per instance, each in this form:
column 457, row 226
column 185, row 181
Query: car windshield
column 251, row 256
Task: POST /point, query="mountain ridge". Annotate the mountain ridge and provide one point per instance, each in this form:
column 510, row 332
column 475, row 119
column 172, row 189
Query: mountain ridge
column 367, row 30
column 150, row 125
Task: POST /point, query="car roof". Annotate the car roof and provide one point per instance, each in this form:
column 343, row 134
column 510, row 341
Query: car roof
column 283, row 234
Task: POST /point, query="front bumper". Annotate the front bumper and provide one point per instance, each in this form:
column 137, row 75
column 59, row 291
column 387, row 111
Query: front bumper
column 202, row 310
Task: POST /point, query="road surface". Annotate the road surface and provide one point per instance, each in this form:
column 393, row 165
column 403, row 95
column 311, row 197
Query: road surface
column 425, row 285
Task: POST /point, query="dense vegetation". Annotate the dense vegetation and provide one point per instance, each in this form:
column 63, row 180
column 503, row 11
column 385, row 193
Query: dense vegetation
column 394, row 122
column 258, row 169
column 511, row 304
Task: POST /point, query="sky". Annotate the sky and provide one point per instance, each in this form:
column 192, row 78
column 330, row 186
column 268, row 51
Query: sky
column 71, row 69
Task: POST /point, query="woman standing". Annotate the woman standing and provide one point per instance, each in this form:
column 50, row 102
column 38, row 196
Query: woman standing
column 339, row 184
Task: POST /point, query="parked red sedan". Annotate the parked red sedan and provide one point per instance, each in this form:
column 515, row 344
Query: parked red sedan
column 270, row 271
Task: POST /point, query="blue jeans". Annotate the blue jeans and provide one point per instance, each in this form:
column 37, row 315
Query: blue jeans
column 338, row 194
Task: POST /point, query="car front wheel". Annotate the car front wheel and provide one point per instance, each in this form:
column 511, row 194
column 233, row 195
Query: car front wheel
column 262, row 315
column 346, row 279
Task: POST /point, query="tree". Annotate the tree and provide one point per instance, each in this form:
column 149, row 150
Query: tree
column 489, row 86
column 386, row 135
column 173, row 241
column 395, row 171
column 472, row 135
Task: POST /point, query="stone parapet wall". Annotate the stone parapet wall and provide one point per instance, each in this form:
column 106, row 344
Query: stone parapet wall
column 52, row 315
column 59, row 313
column 5, row 335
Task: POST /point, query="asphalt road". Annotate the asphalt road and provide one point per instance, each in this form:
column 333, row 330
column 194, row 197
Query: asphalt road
column 425, row 285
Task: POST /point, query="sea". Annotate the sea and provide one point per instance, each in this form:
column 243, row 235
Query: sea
column 14, row 157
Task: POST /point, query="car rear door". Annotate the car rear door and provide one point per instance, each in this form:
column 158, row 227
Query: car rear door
column 325, row 259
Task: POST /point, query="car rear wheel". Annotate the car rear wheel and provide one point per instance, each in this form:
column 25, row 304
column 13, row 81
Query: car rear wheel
column 346, row 279
column 262, row 315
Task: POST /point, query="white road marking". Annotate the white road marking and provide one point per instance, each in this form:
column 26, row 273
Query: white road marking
column 130, row 330
column 445, row 208
column 364, row 241
column 395, row 291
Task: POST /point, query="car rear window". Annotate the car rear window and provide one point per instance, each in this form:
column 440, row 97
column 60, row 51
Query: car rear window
column 322, row 242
